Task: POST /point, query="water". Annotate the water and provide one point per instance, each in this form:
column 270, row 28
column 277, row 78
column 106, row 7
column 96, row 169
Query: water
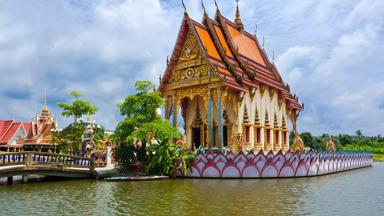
column 358, row 192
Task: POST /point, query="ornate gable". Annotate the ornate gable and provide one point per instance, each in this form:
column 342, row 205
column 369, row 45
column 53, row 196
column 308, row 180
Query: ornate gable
column 190, row 64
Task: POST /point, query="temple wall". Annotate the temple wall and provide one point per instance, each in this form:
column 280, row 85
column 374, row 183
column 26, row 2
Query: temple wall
column 266, row 102
column 272, row 165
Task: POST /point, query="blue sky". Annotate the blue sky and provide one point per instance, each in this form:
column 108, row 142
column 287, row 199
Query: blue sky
column 329, row 51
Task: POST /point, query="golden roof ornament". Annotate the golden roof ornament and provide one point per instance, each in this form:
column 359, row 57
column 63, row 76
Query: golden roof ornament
column 257, row 118
column 45, row 99
column 185, row 8
column 275, row 122
column 245, row 117
column 217, row 6
column 266, row 119
column 238, row 21
column 202, row 5
column 298, row 145
column 284, row 124
column 330, row 145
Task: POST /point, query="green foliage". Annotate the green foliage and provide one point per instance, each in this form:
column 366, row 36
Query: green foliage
column 69, row 139
column 144, row 86
column 166, row 159
column 161, row 129
column 359, row 133
column 143, row 125
column 77, row 108
column 141, row 107
column 76, row 94
column 345, row 142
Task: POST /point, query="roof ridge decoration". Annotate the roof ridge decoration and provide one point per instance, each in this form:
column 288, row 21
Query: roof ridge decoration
column 235, row 51
column 220, row 49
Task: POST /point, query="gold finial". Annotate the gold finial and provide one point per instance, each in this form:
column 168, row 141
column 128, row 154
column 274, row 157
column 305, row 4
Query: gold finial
column 238, row 19
column 185, row 8
column 217, row 6
column 45, row 106
column 202, row 5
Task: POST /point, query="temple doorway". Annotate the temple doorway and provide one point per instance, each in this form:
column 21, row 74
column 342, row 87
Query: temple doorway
column 225, row 136
column 196, row 137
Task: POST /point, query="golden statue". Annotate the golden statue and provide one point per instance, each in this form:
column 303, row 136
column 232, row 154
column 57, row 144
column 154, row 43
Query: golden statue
column 298, row 145
column 330, row 145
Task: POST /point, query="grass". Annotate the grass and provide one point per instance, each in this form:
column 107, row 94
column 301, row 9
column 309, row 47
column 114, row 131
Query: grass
column 378, row 157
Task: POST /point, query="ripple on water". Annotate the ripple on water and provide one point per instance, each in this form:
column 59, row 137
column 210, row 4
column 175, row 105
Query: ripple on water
column 358, row 192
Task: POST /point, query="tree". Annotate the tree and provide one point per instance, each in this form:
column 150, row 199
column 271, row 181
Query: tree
column 144, row 86
column 138, row 109
column 142, row 125
column 70, row 138
column 308, row 139
column 359, row 133
column 345, row 139
column 78, row 108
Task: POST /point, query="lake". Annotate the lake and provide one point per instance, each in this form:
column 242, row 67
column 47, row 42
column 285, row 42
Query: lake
column 357, row 192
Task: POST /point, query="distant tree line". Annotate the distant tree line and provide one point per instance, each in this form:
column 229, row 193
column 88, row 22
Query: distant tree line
column 357, row 142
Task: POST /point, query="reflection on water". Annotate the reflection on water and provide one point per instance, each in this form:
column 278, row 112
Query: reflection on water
column 358, row 192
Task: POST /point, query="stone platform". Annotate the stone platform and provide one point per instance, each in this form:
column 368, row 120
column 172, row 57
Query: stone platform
column 279, row 165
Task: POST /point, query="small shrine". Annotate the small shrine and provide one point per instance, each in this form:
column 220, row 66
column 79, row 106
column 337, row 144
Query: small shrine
column 88, row 144
column 229, row 94
column 100, row 149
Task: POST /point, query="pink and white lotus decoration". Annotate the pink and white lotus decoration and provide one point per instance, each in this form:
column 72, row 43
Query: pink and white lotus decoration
column 270, row 165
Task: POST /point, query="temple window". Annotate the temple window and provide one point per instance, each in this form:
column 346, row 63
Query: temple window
column 277, row 137
column 268, row 133
column 247, row 135
column 258, row 133
column 285, row 137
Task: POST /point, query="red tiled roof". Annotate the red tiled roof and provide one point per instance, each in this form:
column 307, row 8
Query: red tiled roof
column 12, row 130
column 8, row 129
column 4, row 126
column 27, row 126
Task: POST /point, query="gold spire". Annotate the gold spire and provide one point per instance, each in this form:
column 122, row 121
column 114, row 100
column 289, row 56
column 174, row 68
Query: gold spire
column 45, row 106
column 185, row 8
column 238, row 21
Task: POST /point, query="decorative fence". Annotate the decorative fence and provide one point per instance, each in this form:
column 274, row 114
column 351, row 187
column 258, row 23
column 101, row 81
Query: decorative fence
column 43, row 158
column 270, row 165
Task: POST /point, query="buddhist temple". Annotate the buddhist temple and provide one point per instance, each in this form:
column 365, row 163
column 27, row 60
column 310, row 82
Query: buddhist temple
column 227, row 91
column 39, row 134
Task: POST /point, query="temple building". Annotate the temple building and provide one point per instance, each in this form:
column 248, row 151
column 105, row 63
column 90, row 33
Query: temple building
column 39, row 134
column 229, row 94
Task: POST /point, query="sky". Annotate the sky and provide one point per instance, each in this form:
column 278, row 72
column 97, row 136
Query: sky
column 329, row 51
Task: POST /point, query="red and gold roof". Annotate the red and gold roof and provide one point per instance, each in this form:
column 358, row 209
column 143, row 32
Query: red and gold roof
column 234, row 53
